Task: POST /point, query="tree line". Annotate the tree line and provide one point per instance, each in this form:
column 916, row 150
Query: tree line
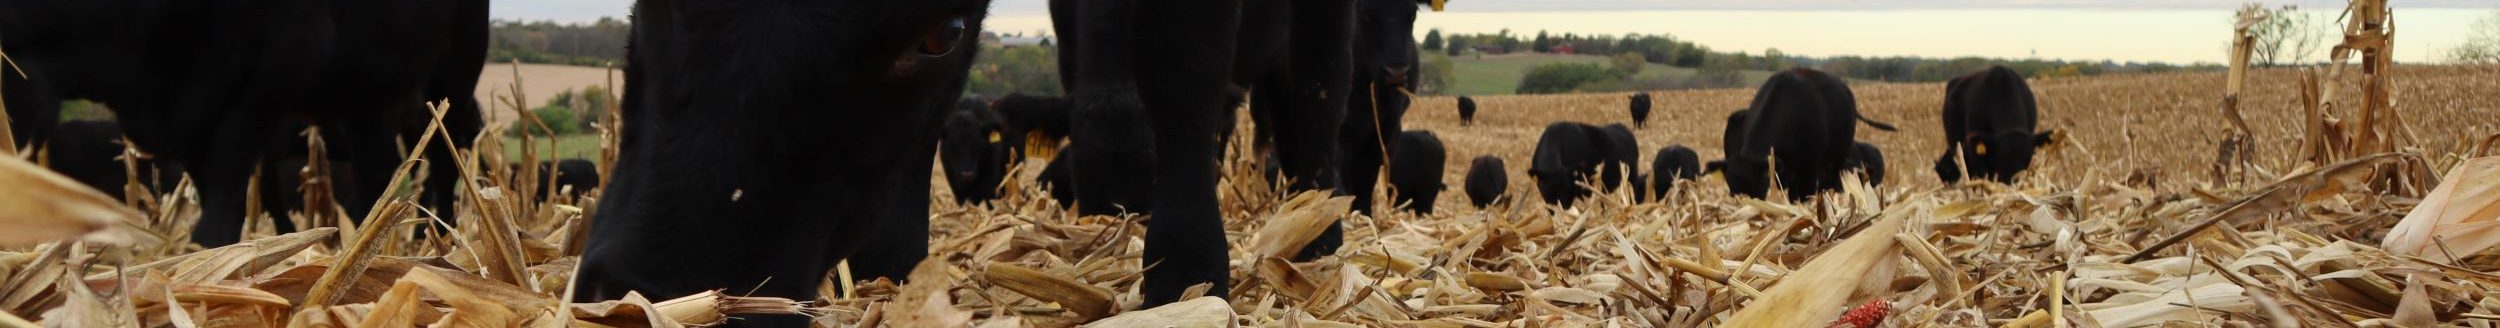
column 1667, row 50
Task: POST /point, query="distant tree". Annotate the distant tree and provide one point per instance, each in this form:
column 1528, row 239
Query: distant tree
column 2482, row 42
column 1457, row 46
column 2287, row 36
column 1438, row 74
column 1028, row 70
column 1690, row 55
column 1625, row 65
column 1542, row 44
column 1774, row 60
column 1559, row 77
column 1432, row 40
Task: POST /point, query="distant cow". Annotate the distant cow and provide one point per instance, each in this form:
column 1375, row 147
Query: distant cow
column 1640, row 109
column 1466, row 111
column 758, row 169
column 1486, row 181
column 1990, row 118
column 206, row 83
column 1415, row 165
column 1565, row 154
column 573, row 177
column 1802, row 119
column 975, row 152
column 1868, row 161
column 1673, row 163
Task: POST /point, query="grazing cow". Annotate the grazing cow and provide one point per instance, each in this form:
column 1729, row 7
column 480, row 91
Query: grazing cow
column 1674, row 163
column 1622, row 153
column 1728, row 139
column 1162, row 108
column 1640, row 109
column 1565, row 154
column 736, row 172
column 976, row 152
column 1486, row 180
column 574, row 177
column 1992, row 120
column 204, row 84
column 1803, row 121
column 1868, row 161
column 1466, row 111
column 91, row 153
column 1415, row 164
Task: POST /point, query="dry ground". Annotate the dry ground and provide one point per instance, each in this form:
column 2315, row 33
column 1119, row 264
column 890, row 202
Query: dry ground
column 1910, row 254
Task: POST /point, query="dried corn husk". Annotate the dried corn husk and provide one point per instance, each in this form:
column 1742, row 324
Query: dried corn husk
column 2459, row 218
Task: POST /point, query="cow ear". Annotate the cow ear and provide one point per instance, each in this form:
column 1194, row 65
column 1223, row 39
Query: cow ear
column 2044, row 139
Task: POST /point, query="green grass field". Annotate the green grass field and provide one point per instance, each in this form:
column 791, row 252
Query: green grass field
column 583, row 146
column 1499, row 74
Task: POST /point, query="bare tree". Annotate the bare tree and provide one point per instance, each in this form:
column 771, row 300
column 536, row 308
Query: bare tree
column 2482, row 42
column 2286, row 36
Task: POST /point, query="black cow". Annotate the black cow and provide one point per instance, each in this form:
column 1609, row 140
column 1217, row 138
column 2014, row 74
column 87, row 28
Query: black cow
column 573, row 177
column 1622, row 153
column 1804, row 120
column 1640, row 109
column 1868, row 161
column 91, row 153
column 976, row 152
column 205, row 83
column 1673, row 163
column 1990, row 118
column 1565, row 154
column 1486, row 181
column 1728, row 139
column 1163, row 107
column 1466, row 111
column 737, row 172
column 1057, row 177
column 1415, row 165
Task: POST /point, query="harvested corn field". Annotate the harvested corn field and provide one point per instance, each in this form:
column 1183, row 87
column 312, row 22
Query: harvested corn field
column 2287, row 243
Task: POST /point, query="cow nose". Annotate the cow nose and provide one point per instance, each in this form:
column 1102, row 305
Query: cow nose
column 1396, row 74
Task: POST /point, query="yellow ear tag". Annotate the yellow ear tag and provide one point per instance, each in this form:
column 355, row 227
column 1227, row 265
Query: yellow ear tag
column 994, row 137
column 1983, row 149
column 1437, row 4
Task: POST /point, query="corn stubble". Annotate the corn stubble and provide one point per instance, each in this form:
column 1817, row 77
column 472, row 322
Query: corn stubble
column 2301, row 246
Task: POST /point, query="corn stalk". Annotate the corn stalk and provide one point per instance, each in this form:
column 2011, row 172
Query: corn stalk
column 2369, row 33
column 2233, row 158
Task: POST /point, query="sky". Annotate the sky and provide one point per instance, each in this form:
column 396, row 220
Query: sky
column 2178, row 31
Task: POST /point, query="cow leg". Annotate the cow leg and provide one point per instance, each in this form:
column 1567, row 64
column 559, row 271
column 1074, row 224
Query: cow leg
column 1320, row 86
column 1185, row 241
column 222, row 174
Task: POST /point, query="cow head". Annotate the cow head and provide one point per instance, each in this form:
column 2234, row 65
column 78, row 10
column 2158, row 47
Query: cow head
column 2000, row 155
column 1749, row 176
column 770, row 120
column 1387, row 43
column 975, row 151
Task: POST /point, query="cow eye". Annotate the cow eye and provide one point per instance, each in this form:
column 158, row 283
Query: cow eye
column 941, row 39
column 1983, row 149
